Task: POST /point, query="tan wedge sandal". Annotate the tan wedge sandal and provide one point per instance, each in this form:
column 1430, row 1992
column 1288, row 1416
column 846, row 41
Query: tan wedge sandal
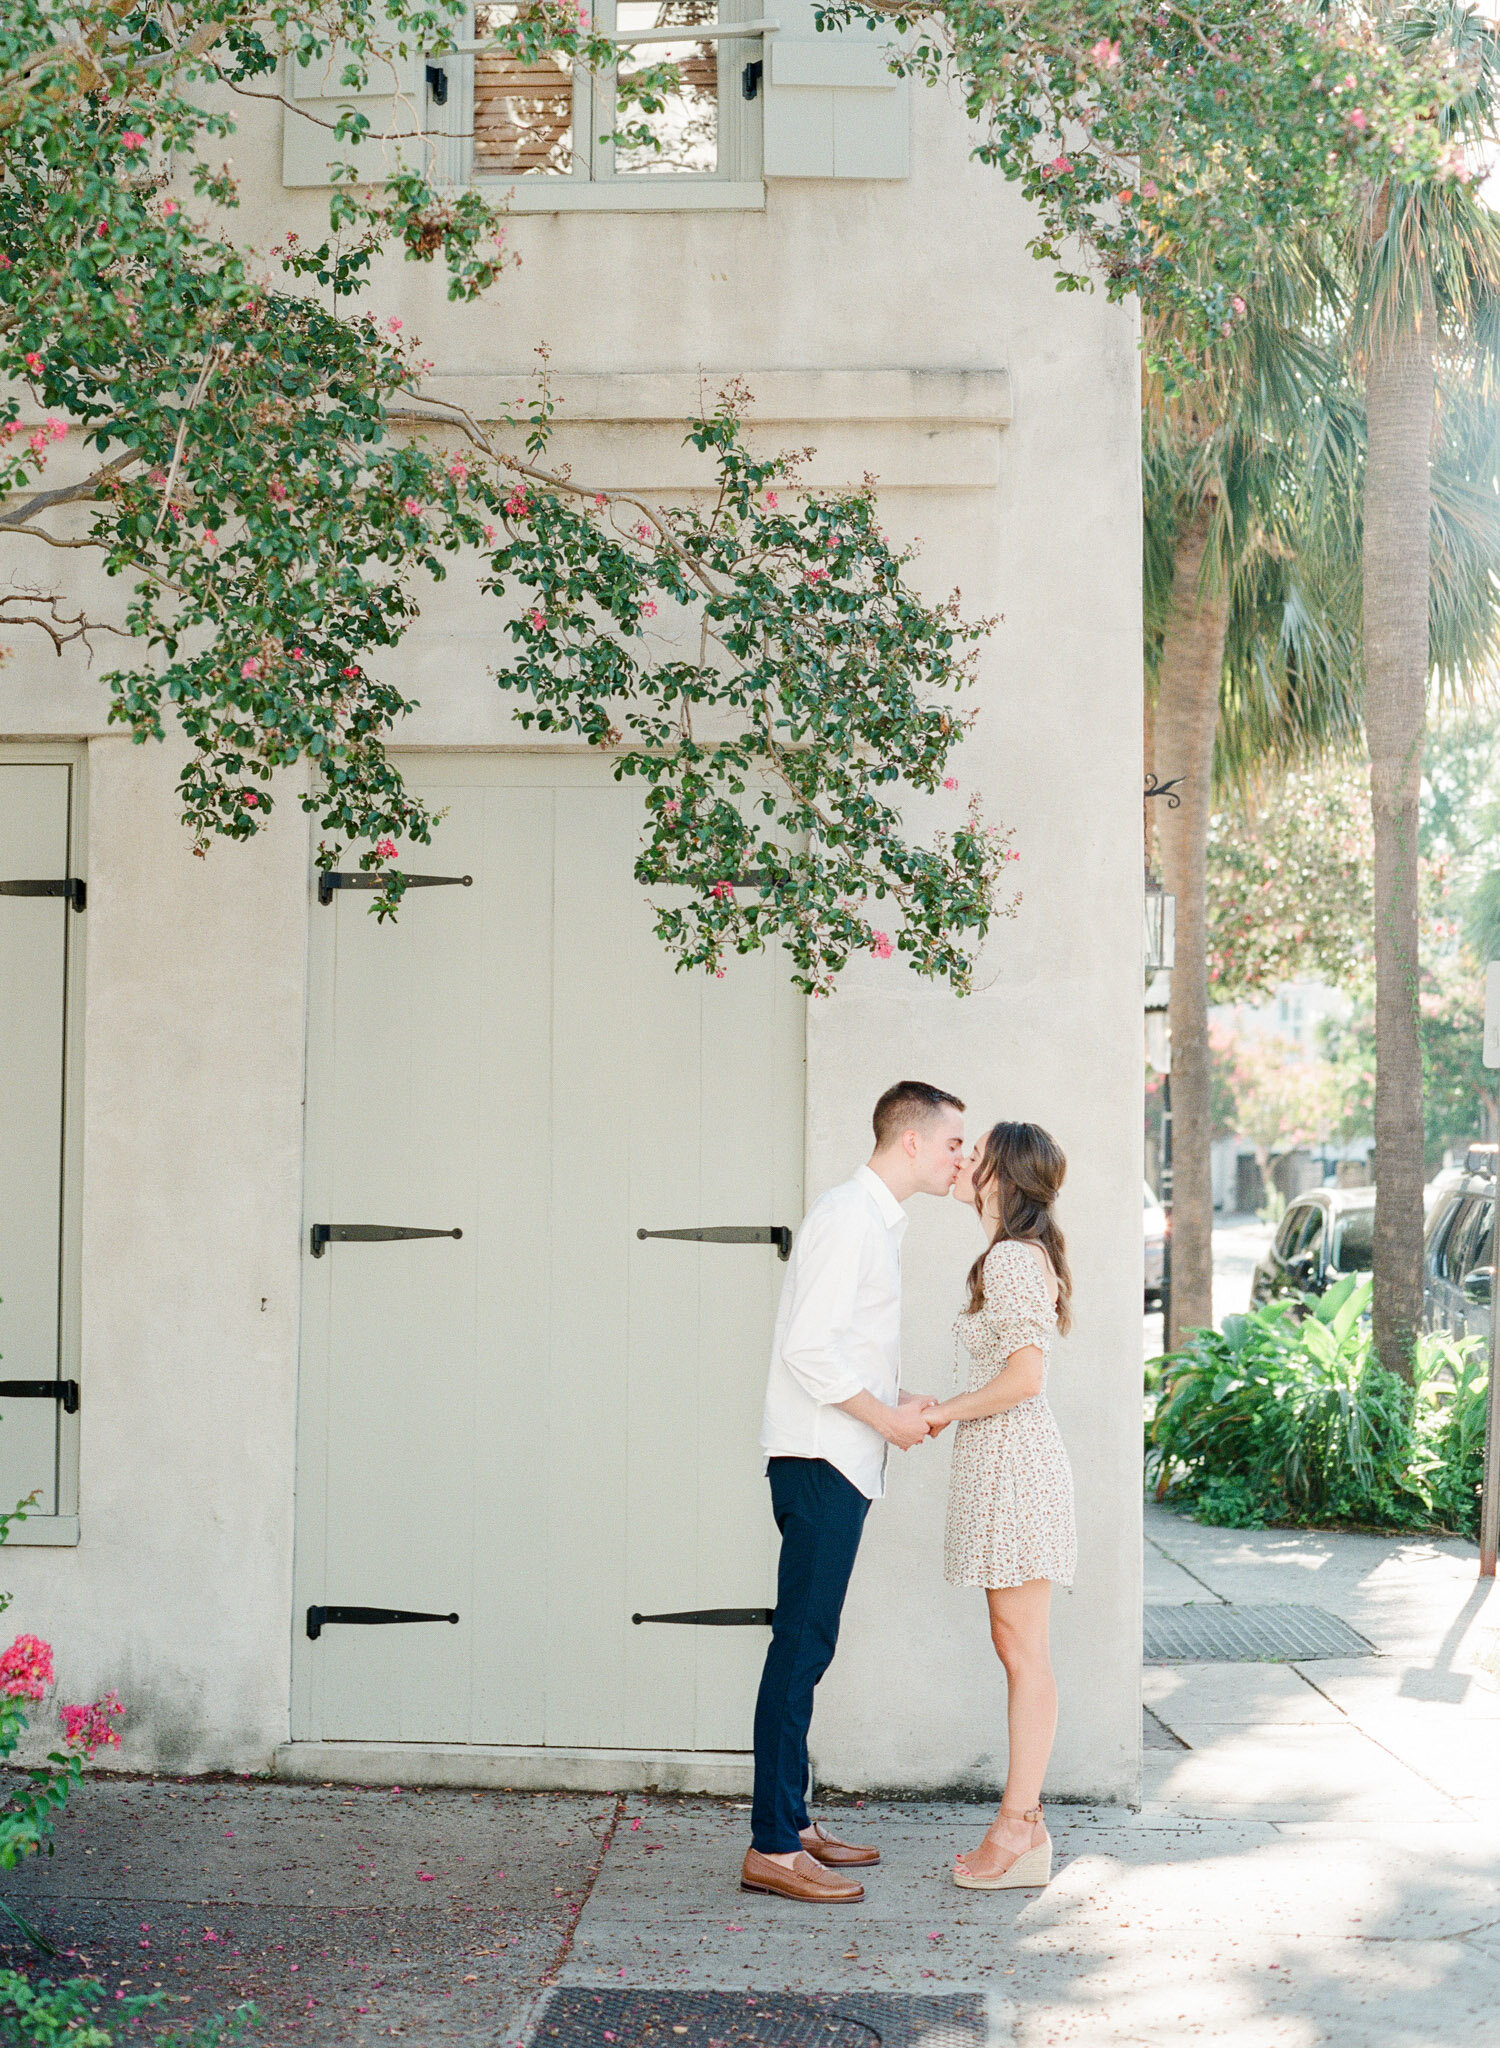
column 1031, row 1867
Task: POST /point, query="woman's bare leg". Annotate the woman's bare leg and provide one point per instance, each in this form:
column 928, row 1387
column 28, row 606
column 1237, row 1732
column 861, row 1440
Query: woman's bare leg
column 1018, row 1628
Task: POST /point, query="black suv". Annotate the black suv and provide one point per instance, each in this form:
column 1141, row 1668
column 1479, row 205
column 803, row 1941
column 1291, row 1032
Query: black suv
column 1324, row 1234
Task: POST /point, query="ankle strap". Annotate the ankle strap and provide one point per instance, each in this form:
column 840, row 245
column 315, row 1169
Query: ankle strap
column 1033, row 1816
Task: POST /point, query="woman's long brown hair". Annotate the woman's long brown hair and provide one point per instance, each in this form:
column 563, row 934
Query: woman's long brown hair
column 1028, row 1167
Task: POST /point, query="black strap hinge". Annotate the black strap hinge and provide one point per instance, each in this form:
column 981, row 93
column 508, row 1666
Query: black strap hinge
column 366, row 1233
column 716, row 1617
column 65, row 1391
column 733, row 1233
column 335, row 878
column 71, row 886
column 319, row 1618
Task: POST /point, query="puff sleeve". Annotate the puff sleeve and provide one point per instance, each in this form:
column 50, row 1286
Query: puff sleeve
column 1017, row 1305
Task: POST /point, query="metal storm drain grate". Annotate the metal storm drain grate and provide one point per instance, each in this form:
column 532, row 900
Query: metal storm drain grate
column 741, row 2019
column 1267, row 1635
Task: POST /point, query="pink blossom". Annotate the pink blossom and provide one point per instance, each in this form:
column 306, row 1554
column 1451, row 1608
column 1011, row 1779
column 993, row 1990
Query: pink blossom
column 1106, row 54
column 880, row 946
column 458, row 469
column 250, row 667
column 132, row 139
column 386, row 848
column 671, row 807
column 518, row 505
column 349, row 672
column 1059, row 167
column 538, row 619
column 412, row 506
column 425, row 1877
column 5, row 260
column 1126, row 196
column 648, row 609
column 393, row 325
column 251, row 798
column 39, row 442
column 1148, row 189
column 169, row 207
column 489, row 533
column 210, row 538
column 1358, row 118
column 1239, row 306
column 816, row 576
column 297, row 653
column 950, row 782
column 277, row 489
column 26, row 1668
column 34, row 363
column 642, row 530
column 600, row 500
column 58, row 429
column 772, row 501
column 724, row 891
column 91, row 1727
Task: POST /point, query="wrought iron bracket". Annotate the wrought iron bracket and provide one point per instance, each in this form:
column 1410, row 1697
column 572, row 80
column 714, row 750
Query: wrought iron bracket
column 319, row 1618
column 64, row 1391
column 366, row 1233
column 733, row 1233
column 336, row 878
column 71, row 886
column 1166, row 789
column 716, row 1617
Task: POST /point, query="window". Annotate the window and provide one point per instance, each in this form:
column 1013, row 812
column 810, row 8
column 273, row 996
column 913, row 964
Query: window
column 1448, row 1262
column 1296, row 1228
column 554, row 121
column 1354, row 1241
column 1471, row 1247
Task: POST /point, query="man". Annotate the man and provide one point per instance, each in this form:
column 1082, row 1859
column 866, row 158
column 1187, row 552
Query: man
column 833, row 1405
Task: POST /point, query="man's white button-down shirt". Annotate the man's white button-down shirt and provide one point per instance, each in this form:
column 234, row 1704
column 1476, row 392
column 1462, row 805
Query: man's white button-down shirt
column 838, row 1331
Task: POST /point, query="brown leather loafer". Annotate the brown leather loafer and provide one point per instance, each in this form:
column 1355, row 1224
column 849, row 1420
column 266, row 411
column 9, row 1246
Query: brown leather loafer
column 837, row 1855
column 803, row 1880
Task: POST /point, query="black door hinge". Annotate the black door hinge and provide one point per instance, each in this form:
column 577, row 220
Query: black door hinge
column 319, row 1618
column 437, row 84
column 751, row 77
column 65, row 1391
column 334, row 878
column 367, row 1233
column 71, row 886
column 717, row 1617
column 734, row 1233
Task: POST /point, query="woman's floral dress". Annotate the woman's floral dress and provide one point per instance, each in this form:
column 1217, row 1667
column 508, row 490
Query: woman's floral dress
column 1010, row 1494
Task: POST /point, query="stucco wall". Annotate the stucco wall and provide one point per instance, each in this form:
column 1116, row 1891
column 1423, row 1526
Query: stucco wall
column 179, row 1590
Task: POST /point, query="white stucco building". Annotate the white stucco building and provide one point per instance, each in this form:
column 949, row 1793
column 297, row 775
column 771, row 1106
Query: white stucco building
column 548, row 1424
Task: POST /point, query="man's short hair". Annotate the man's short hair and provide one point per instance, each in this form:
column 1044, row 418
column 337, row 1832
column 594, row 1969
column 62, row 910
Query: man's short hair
column 910, row 1105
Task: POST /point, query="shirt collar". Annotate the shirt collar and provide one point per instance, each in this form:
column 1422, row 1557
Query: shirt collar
column 892, row 1215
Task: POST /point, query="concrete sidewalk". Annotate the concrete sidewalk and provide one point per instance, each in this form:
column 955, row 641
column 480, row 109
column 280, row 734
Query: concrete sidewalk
column 1317, row 1865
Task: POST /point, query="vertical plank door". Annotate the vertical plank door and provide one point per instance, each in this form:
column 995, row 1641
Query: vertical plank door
column 548, row 1424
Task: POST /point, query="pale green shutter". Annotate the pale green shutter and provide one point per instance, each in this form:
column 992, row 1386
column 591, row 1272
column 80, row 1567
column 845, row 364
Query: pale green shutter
column 833, row 107
column 394, row 98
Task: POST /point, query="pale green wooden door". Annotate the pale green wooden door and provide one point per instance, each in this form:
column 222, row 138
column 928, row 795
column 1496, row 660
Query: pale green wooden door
column 36, row 827
column 547, row 1424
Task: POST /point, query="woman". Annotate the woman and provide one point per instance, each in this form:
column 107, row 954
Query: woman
column 1010, row 1496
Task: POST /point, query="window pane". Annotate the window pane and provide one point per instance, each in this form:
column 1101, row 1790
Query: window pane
column 682, row 133
column 1355, row 1244
column 523, row 113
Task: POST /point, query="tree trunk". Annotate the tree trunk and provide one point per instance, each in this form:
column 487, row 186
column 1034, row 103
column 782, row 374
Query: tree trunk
column 1187, row 718
column 1399, row 395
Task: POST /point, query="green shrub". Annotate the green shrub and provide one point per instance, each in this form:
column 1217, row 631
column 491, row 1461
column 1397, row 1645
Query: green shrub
column 1284, row 1417
column 79, row 2013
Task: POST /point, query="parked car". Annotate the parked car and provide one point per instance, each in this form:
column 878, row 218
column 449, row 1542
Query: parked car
column 1156, row 1247
column 1458, row 1269
column 1324, row 1234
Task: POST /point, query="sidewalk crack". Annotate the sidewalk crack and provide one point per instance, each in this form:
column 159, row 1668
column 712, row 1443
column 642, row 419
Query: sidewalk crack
column 1162, row 1551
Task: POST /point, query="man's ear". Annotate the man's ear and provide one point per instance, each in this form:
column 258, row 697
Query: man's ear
column 909, row 1144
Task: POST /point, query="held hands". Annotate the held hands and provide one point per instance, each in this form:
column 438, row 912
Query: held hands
column 913, row 1420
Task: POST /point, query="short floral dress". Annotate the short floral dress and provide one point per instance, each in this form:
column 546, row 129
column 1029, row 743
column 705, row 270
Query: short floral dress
column 1010, row 1494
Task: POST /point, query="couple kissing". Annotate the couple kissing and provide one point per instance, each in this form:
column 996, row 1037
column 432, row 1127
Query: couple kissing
column 834, row 1406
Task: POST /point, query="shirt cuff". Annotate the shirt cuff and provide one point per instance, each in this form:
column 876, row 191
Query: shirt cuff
column 841, row 1390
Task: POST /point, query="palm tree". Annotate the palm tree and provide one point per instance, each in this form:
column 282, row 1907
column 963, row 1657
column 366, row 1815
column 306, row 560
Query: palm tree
column 1423, row 282
column 1232, row 626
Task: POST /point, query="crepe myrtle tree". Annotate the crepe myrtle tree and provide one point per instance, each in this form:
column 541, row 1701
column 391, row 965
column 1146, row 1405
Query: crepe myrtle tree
column 1166, row 148
column 249, row 455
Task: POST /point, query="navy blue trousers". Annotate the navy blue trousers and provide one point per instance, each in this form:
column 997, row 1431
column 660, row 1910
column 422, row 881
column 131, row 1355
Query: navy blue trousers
column 820, row 1516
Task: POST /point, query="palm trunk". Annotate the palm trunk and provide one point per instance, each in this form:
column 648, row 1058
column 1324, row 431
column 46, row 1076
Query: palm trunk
column 1187, row 718
column 1397, row 538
